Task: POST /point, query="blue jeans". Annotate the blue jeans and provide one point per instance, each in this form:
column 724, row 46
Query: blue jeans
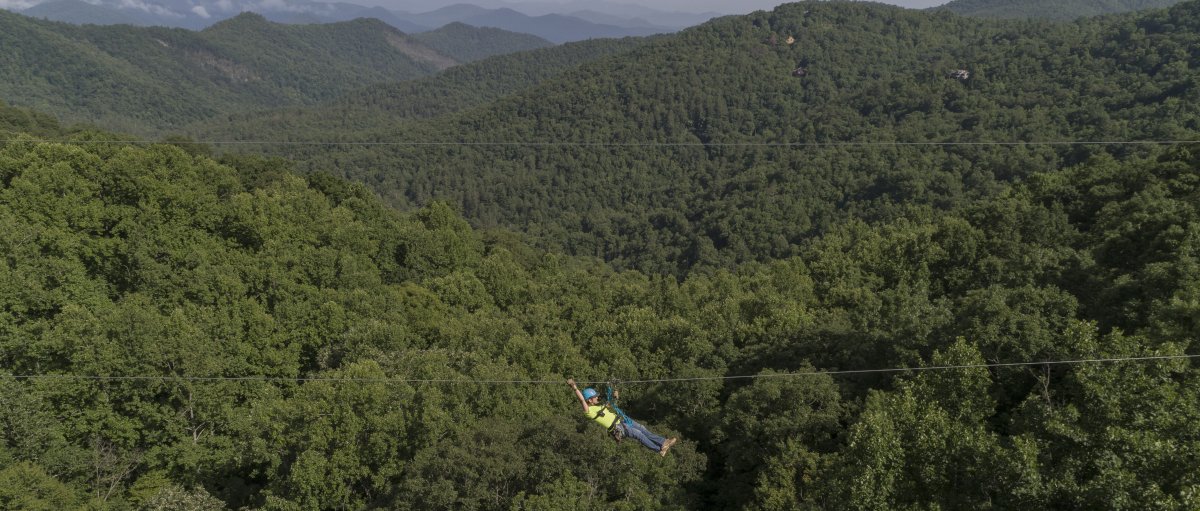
column 643, row 435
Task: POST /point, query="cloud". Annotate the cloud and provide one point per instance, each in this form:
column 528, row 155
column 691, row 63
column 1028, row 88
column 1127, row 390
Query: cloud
column 16, row 5
column 224, row 5
column 201, row 11
column 150, row 8
column 277, row 6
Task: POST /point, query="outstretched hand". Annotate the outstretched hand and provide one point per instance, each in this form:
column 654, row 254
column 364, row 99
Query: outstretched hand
column 571, row 382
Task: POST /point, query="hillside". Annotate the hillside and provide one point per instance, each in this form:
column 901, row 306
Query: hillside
column 459, row 88
column 1063, row 10
column 186, row 333
column 465, row 43
column 567, row 160
column 17, row 121
column 146, row 79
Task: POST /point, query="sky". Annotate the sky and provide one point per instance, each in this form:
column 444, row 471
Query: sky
column 537, row 7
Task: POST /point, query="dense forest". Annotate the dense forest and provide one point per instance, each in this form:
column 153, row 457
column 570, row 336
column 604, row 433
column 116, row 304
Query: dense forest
column 1062, row 10
column 453, row 90
column 660, row 158
column 147, row 79
column 124, row 261
column 872, row 281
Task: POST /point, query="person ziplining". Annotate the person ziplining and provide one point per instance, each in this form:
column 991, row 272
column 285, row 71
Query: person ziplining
column 616, row 422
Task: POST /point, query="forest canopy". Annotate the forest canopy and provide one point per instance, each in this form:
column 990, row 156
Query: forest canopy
column 1062, row 10
column 157, row 260
column 936, row 297
column 703, row 150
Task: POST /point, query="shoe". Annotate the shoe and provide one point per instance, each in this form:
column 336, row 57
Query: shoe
column 666, row 446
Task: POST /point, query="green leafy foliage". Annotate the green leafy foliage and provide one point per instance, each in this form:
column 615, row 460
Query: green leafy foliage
column 1060, row 10
column 311, row 348
column 24, row 485
column 126, row 261
column 14, row 121
column 538, row 160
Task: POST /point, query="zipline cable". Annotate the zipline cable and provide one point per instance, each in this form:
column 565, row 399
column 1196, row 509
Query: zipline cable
column 272, row 379
column 413, row 143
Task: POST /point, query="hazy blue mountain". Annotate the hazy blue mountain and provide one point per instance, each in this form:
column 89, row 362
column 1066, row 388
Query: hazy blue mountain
column 198, row 14
column 447, row 14
column 619, row 21
column 1055, row 10
column 466, row 43
column 553, row 27
column 557, row 28
column 656, row 17
column 204, row 13
column 79, row 12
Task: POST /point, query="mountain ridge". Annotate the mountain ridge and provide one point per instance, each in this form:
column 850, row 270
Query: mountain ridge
column 79, row 12
column 198, row 15
column 143, row 79
column 464, row 87
column 466, row 43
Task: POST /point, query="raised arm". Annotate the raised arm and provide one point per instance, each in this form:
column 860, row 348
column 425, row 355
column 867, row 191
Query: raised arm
column 578, row 394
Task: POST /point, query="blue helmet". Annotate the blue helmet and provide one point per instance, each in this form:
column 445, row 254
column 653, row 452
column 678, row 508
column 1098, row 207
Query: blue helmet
column 589, row 393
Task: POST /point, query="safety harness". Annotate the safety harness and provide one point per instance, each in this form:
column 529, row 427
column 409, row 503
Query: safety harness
column 617, row 429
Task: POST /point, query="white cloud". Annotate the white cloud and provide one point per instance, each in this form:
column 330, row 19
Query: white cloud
column 201, row 11
column 16, row 5
column 150, row 8
column 277, row 6
column 224, row 5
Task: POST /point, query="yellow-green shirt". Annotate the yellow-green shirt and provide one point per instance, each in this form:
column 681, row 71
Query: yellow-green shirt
column 606, row 419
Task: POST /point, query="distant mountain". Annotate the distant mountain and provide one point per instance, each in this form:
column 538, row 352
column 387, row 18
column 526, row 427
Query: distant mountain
column 201, row 14
column 80, row 12
column 553, row 27
column 321, row 12
column 142, row 14
column 145, row 79
column 465, row 43
column 676, row 19
column 1062, row 10
column 197, row 14
column 618, row 21
column 613, row 10
column 448, row 14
